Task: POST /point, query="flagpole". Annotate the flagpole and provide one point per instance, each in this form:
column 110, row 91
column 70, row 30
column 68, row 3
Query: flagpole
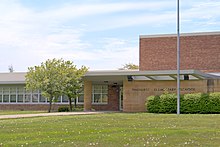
column 178, row 59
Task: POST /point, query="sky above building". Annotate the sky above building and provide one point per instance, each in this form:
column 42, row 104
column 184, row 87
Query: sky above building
column 100, row 34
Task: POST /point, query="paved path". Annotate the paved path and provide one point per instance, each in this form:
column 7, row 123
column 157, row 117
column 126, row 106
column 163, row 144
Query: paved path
column 50, row 114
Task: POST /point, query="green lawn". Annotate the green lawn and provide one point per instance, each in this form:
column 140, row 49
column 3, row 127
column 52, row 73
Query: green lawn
column 7, row 112
column 113, row 130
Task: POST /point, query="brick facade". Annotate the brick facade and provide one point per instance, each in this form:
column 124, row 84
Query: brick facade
column 198, row 51
column 113, row 100
column 26, row 107
column 136, row 92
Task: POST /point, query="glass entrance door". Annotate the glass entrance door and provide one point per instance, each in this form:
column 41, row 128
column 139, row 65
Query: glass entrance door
column 121, row 98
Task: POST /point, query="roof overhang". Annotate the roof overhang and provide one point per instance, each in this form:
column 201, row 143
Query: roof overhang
column 120, row 75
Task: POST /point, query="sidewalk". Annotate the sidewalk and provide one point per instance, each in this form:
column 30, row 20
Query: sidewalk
column 50, row 114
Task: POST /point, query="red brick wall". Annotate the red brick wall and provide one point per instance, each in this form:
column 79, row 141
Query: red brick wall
column 201, row 52
column 113, row 100
column 35, row 107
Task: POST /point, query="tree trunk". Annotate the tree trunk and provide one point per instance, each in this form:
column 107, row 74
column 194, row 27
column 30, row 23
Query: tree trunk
column 75, row 102
column 70, row 104
column 50, row 104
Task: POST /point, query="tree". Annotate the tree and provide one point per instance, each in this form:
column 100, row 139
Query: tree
column 73, row 82
column 55, row 78
column 48, row 78
column 129, row 66
column 10, row 68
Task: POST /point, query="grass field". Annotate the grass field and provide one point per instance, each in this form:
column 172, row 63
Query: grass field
column 113, row 130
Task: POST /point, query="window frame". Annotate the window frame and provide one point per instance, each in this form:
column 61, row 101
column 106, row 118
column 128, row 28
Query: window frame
column 103, row 92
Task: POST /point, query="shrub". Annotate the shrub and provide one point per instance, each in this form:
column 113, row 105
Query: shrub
column 214, row 99
column 168, row 103
column 204, row 104
column 78, row 108
column 153, row 104
column 189, row 103
column 63, row 109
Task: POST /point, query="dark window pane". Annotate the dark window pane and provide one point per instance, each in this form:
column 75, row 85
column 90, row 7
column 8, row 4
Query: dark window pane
column 42, row 99
column 65, row 99
column 20, row 98
column 13, row 98
column 81, row 99
column 5, row 98
column 97, row 98
column 0, row 98
column 27, row 98
column 35, row 98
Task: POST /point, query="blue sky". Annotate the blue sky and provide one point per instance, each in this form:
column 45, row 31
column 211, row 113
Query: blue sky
column 100, row 34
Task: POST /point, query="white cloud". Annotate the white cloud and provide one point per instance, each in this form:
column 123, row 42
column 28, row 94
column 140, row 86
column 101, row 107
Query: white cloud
column 28, row 37
column 75, row 11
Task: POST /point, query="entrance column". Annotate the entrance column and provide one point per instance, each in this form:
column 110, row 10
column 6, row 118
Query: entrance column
column 87, row 95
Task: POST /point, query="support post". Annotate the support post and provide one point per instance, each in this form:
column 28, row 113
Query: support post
column 87, row 95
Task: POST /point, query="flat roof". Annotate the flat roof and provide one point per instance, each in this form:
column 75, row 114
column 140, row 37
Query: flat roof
column 12, row 78
column 120, row 75
column 182, row 34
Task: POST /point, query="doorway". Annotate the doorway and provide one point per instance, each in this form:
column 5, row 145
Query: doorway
column 121, row 98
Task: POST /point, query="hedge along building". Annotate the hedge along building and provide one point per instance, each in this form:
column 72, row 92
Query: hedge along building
column 128, row 90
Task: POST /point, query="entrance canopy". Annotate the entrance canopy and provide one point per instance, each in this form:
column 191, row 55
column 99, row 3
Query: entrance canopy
column 117, row 76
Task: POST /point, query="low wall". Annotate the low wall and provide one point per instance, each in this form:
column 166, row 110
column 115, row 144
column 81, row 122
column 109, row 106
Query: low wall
column 35, row 107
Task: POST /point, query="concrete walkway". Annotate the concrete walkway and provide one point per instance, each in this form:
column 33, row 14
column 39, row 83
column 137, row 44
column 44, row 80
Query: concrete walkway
column 51, row 114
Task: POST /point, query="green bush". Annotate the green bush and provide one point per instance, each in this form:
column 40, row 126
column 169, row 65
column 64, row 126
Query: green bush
column 168, row 103
column 214, row 99
column 204, row 104
column 153, row 104
column 189, row 103
column 78, row 108
column 63, row 109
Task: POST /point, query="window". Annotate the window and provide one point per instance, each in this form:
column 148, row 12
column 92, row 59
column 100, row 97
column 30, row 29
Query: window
column 80, row 98
column 1, row 95
column 65, row 99
column 100, row 94
column 5, row 98
column 59, row 99
column 42, row 99
column 20, row 98
column 27, row 98
column 20, row 92
column 13, row 98
column 35, row 98
column 13, row 95
column 6, row 95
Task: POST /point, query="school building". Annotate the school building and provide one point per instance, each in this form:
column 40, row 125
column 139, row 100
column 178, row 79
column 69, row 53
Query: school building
column 127, row 90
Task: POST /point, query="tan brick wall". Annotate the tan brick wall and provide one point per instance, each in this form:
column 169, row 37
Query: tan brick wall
column 136, row 92
column 197, row 52
column 87, row 95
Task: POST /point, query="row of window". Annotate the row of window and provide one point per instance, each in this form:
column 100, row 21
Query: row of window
column 20, row 95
